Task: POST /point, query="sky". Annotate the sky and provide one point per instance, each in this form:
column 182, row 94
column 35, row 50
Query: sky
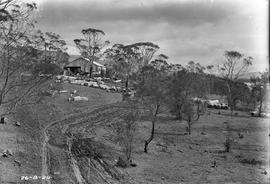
column 185, row 30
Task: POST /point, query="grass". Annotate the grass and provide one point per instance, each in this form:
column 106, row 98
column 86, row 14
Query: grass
column 188, row 158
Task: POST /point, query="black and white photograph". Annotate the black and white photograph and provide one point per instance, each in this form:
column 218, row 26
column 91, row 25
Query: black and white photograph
column 134, row 92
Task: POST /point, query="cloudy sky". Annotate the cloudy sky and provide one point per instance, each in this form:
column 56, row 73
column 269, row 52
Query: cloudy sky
column 185, row 30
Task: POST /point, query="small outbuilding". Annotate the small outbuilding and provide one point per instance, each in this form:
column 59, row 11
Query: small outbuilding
column 79, row 64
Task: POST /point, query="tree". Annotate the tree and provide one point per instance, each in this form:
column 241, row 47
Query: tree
column 232, row 68
column 259, row 89
column 4, row 10
column 151, row 89
column 145, row 50
column 160, row 62
column 126, row 129
column 91, row 45
column 182, row 86
column 53, row 46
column 18, row 58
column 195, row 67
column 192, row 110
column 179, row 89
column 123, row 61
column 211, row 70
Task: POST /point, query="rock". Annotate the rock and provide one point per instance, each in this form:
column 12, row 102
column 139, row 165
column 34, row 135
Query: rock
column 190, row 147
column 202, row 133
column 162, row 144
column 241, row 136
column 214, row 164
column 7, row 153
column 18, row 162
column 132, row 164
column 2, row 121
column 265, row 172
column 121, row 162
column 163, row 178
column 17, row 123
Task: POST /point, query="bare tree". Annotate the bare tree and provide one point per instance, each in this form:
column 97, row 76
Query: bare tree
column 152, row 92
column 192, row 110
column 126, row 130
column 91, row 45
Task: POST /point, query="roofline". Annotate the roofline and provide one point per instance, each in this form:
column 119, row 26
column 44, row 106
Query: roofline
column 94, row 62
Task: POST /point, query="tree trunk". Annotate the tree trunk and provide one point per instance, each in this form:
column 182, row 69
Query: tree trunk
column 91, row 71
column 127, row 81
column 45, row 53
column 152, row 131
column 229, row 96
column 178, row 113
column 261, row 102
column 189, row 127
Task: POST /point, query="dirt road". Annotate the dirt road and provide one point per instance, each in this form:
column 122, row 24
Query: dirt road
column 65, row 123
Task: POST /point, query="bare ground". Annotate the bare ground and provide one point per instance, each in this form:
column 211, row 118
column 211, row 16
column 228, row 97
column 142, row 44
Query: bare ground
column 173, row 156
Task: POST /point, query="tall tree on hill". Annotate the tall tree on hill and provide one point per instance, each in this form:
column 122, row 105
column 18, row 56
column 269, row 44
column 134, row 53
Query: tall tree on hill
column 91, row 45
column 211, row 70
column 123, row 61
column 161, row 62
column 17, row 57
column 145, row 50
column 232, row 68
column 53, row 46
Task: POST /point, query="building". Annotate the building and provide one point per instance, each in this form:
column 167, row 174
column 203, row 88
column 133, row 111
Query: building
column 78, row 64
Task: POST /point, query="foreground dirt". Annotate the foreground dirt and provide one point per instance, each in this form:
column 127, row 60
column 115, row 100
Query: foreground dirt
column 28, row 142
column 80, row 147
column 175, row 157
column 190, row 158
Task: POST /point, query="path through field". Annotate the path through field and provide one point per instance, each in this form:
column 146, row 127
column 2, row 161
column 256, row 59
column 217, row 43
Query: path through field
column 64, row 125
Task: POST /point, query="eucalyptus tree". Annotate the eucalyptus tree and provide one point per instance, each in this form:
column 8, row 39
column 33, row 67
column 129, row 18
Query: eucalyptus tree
column 90, row 45
column 161, row 62
column 145, row 50
column 234, row 65
column 18, row 57
column 123, row 61
column 53, row 47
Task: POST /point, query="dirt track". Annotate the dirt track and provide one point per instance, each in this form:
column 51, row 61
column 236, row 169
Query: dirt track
column 64, row 125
